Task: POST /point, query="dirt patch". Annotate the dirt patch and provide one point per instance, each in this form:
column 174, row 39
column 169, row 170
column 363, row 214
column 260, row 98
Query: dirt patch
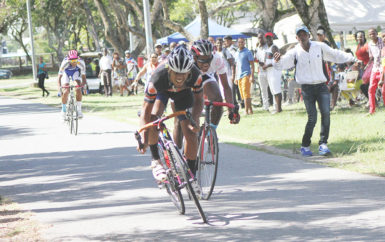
column 17, row 224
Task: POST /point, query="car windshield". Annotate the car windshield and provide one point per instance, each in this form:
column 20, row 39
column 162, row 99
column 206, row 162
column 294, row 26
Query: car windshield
column 92, row 67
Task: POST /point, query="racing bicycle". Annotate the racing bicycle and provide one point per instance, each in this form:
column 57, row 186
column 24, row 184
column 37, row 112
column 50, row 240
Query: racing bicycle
column 208, row 149
column 178, row 173
column 72, row 116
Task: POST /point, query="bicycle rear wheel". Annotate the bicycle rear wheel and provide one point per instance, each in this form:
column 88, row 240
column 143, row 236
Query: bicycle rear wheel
column 182, row 168
column 171, row 183
column 207, row 160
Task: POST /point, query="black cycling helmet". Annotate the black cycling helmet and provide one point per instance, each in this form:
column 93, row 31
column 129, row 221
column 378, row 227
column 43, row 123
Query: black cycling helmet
column 180, row 59
column 202, row 47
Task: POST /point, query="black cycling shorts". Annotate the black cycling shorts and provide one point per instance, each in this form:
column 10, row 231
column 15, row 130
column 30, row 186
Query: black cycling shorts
column 182, row 100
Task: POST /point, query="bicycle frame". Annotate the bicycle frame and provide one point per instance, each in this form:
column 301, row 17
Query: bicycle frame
column 175, row 161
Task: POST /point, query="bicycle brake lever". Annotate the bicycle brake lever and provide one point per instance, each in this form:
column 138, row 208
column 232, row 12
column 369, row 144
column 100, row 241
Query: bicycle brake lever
column 139, row 139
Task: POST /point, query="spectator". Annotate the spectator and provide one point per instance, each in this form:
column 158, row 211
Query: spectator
column 105, row 64
column 273, row 75
column 212, row 40
column 362, row 53
column 307, row 57
column 172, row 45
column 262, row 75
column 228, row 60
column 163, row 57
column 158, row 52
column 147, row 69
column 375, row 48
column 119, row 67
column 131, row 71
column 350, row 81
column 228, row 41
column 244, row 66
column 42, row 75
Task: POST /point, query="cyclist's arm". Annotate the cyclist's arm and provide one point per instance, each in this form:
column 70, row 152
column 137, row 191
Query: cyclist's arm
column 141, row 73
column 226, row 88
column 145, row 115
column 59, row 80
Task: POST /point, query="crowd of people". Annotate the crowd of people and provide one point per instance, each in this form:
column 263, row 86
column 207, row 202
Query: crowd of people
column 319, row 73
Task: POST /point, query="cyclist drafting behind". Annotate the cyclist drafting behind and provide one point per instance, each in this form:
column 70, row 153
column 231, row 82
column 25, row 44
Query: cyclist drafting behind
column 71, row 66
column 179, row 80
column 210, row 63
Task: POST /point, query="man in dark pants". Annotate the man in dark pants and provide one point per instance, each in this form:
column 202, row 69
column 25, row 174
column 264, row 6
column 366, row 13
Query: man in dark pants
column 105, row 64
column 228, row 41
column 307, row 56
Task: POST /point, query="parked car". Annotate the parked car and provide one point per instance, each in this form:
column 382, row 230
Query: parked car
column 94, row 83
column 5, row 74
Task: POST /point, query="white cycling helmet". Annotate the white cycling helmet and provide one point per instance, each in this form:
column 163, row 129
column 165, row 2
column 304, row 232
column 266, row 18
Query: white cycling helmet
column 202, row 47
column 180, row 59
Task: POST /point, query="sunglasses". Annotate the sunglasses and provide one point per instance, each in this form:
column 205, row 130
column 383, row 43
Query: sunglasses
column 73, row 61
column 205, row 61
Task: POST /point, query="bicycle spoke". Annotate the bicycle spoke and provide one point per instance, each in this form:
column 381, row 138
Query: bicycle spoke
column 207, row 162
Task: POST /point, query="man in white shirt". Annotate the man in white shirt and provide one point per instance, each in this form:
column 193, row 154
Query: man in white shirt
column 105, row 64
column 262, row 75
column 307, row 57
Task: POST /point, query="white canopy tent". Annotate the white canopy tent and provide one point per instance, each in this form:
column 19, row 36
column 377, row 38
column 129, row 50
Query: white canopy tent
column 344, row 16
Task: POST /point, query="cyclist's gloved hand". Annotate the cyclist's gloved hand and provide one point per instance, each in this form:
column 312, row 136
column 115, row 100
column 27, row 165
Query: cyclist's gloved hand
column 234, row 115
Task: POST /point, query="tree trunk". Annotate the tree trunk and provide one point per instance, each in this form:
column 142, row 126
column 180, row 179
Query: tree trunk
column 172, row 25
column 109, row 32
column 204, row 19
column 313, row 16
column 91, row 25
column 271, row 15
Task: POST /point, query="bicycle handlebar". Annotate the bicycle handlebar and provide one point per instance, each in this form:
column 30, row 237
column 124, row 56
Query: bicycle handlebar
column 210, row 103
column 161, row 120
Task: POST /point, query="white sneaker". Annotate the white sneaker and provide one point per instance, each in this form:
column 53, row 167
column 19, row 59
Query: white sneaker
column 158, row 171
column 80, row 114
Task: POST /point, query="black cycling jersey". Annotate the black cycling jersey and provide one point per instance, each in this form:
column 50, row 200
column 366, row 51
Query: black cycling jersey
column 160, row 83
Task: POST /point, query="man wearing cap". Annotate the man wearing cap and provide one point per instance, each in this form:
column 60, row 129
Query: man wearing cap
column 158, row 51
column 307, row 57
column 273, row 75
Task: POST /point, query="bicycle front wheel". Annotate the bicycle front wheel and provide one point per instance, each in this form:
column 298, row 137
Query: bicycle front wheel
column 207, row 160
column 183, row 170
column 171, row 183
column 75, row 122
column 70, row 116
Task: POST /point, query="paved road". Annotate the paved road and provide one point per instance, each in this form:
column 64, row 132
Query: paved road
column 95, row 187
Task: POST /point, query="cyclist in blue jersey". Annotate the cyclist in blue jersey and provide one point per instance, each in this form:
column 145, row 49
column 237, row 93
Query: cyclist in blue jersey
column 72, row 66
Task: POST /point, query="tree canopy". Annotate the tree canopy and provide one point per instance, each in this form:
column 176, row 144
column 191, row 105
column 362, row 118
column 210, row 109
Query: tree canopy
column 88, row 25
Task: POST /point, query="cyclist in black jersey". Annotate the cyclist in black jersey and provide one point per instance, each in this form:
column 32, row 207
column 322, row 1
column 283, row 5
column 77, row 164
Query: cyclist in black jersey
column 181, row 81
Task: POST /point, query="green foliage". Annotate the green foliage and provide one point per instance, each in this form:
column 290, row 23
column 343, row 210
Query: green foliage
column 183, row 11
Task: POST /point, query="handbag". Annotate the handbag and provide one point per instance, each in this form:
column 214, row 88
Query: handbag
column 367, row 72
